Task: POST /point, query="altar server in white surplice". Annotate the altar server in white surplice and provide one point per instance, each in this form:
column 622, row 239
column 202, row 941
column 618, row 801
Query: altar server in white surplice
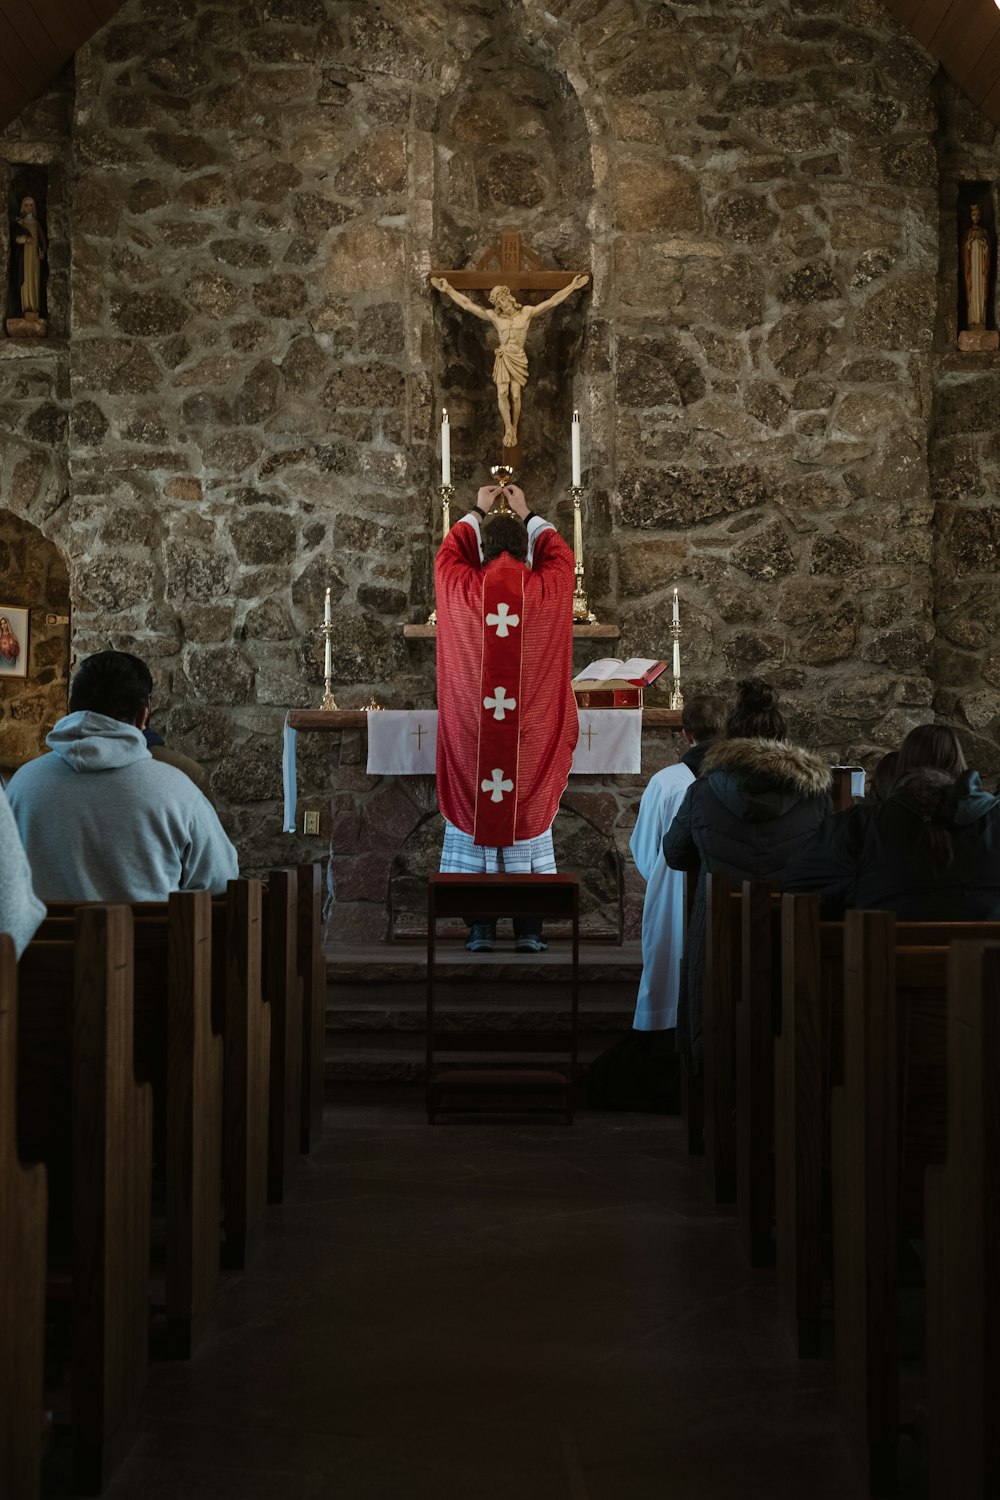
column 703, row 720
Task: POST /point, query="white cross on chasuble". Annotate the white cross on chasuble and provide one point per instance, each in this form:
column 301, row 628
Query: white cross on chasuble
column 501, row 619
column 497, row 786
column 500, row 703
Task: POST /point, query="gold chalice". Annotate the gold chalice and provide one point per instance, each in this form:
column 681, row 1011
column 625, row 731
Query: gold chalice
column 502, row 474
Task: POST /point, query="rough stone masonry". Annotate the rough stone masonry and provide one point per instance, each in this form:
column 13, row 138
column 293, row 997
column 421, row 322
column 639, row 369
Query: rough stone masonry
column 239, row 401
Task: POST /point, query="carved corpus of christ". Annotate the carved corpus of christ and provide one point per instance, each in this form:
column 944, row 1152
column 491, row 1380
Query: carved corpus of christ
column 511, row 319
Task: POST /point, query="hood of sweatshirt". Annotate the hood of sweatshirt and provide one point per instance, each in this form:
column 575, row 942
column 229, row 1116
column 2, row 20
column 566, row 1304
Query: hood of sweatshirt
column 92, row 742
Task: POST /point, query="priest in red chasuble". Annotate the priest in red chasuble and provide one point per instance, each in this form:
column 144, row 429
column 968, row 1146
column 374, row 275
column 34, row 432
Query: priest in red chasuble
column 507, row 722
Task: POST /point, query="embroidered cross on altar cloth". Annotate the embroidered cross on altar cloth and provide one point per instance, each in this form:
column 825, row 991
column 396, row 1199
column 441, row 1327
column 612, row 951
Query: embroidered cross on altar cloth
column 402, row 742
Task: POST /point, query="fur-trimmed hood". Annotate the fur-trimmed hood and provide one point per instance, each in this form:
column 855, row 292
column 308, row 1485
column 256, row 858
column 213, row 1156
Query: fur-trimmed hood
column 762, row 779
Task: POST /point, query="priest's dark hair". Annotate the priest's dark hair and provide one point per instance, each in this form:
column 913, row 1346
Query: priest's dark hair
column 505, row 534
column 756, row 715
column 704, row 717
column 114, row 683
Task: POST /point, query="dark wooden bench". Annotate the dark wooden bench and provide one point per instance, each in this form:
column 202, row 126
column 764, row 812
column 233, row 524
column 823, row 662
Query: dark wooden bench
column 283, row 992
column 179, row 1052
column 962, row 1240
column 757, row 1018
column 808, row 1064
column 888, row 1125
column 82, row 1113
column 23, row 1214
column 489, row 1088
column 242, row 1013
column 722, row 983
column 312, row 973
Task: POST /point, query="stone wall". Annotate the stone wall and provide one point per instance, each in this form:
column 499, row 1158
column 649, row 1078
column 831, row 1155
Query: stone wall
column 965, row 471
column 246, row 406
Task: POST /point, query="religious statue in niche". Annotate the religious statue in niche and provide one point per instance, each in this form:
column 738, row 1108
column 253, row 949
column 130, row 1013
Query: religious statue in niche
column 29, row 248
column 976, row 263
column 511, row 319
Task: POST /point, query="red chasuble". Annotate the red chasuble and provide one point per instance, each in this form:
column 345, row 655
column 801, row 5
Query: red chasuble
column 507, row 721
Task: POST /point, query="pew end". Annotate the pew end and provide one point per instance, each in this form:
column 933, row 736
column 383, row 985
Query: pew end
column 963, row 1240
column 23, row 1225
column 81, row 1111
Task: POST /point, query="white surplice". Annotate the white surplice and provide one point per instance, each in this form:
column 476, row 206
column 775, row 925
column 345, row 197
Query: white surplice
column 663, row 908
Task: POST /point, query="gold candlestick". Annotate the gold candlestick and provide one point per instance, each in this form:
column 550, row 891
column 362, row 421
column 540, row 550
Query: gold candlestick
column 582, row 612
column 445, row 491
column 676, row 696
column 329, row 701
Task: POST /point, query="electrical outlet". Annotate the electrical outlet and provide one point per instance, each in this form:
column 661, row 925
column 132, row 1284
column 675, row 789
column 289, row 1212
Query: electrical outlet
column 310, row 822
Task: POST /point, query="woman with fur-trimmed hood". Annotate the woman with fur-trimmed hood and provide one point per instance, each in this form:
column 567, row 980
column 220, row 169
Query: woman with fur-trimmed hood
column 757, row 800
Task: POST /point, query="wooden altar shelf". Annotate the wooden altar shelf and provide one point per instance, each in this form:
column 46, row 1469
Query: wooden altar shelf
column 580, row 632
column 357, row 718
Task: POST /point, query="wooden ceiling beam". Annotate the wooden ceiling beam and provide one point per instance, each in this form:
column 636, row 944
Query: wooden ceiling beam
column 18, row 55
column 37, row 39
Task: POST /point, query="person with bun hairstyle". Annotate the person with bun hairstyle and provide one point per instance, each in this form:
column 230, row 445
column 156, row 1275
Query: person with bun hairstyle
column 928, row 851
column 756, row 801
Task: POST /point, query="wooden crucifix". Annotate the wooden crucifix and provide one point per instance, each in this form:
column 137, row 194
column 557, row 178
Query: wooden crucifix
column 509, row 267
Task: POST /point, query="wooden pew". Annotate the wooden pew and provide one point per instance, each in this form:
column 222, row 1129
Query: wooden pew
column 738, row 1053
column 757, row 1015
column 283, row 991
column 81, row 1112
column 692, row 1079
column 23, row 1214
column 181, row 1056
column 963, row 1241
column 808, row 1064
column 887, row 1126
column 312, row 973
column 722, row 981
column 245, row 1020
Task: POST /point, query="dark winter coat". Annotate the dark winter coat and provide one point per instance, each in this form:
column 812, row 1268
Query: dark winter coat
column 754, row 805
column 879, row 857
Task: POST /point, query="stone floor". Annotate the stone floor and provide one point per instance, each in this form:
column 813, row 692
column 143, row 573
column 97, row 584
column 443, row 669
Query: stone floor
column 493, row 1311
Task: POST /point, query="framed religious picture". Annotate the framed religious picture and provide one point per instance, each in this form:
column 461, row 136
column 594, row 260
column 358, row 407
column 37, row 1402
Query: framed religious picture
column 13, row 641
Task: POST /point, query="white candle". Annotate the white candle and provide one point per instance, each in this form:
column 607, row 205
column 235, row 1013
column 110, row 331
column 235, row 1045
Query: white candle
column 328, row 645
column 574, row 430
column 445, row 447
column 327, row 609
column 677, row 612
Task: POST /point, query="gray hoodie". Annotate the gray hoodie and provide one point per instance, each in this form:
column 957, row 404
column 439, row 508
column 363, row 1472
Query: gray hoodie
column 101, row 820
column 20, row 909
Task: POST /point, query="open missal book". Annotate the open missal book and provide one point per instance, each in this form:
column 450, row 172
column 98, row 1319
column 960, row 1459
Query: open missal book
column 610, row 683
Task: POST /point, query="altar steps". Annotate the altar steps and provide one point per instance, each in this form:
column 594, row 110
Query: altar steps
column 376, row 1002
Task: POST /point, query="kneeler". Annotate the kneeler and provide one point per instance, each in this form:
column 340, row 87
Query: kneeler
column 488, row 1088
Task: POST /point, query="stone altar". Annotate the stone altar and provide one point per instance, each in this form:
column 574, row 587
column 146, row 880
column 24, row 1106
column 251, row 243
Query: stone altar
column 385, row 834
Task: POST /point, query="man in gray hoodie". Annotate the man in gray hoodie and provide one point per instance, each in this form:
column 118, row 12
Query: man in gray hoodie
column 99, row 818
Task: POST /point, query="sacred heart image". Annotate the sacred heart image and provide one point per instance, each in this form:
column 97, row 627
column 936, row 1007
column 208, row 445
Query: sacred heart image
column 13, row 641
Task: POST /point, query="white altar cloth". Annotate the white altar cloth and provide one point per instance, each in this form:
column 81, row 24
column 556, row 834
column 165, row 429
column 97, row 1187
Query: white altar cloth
column 403, row 742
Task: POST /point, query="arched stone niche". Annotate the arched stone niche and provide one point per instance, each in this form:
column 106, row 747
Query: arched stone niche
column 512, row 150
column 33, row 576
